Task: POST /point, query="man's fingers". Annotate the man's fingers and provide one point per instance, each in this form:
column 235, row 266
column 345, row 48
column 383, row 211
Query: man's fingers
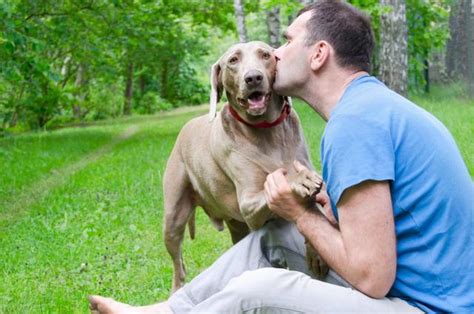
column 275, row 185
column 266, row 192
column 271, row 188
column 281, row 171
column 277, row 179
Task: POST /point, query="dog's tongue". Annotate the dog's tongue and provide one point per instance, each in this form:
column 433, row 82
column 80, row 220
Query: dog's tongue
column 256, row 100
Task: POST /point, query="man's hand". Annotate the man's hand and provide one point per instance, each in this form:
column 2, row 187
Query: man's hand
column 290, row 205
column 280, row 198
column 322, row 199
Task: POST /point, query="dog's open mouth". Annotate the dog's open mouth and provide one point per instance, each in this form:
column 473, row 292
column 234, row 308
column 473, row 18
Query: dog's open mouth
column 255, row 101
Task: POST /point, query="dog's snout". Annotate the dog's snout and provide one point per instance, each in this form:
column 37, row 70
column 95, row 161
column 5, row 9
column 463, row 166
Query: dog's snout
column 253, row 78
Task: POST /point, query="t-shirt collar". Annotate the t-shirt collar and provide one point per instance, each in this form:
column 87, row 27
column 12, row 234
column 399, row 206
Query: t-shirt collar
column 349, row 87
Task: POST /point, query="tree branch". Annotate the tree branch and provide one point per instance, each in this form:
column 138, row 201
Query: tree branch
column 44, row 14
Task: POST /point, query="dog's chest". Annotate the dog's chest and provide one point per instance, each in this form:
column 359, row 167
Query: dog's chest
column 217, row 195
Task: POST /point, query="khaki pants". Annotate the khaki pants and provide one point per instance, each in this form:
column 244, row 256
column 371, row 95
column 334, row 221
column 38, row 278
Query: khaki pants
column 266, row 272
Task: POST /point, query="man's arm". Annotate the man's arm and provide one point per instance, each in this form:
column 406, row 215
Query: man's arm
column 362, row 249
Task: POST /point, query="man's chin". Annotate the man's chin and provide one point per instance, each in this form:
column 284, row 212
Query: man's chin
column 281, row 89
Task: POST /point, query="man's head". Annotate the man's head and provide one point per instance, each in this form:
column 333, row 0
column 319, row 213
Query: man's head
column 328, row 28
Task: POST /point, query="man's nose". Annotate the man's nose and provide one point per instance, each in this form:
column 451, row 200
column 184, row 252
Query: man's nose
column 277, row 53
column 253, row 78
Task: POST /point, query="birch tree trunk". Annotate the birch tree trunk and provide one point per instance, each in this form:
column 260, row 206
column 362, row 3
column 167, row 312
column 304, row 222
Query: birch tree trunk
column 394, row 47
column 457, row 46
column 240, row 17
column 469, row 11
column 76, row 108
column 273, row 25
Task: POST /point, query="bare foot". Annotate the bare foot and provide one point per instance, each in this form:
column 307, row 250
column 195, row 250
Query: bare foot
column 101, row 305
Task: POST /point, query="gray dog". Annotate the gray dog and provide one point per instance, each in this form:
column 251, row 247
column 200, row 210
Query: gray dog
column 220, row 163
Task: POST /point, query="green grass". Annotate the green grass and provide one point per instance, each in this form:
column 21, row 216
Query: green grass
column 81, row 209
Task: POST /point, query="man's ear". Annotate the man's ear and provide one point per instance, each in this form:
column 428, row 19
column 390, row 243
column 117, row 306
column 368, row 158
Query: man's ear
column 320, row 56
column 216, row 89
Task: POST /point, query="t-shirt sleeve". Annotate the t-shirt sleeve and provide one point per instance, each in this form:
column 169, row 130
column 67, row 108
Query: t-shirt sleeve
column 354, row 150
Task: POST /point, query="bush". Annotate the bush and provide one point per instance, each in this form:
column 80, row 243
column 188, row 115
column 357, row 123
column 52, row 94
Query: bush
column 60, row 121
column 151, row 103
column 105, row 100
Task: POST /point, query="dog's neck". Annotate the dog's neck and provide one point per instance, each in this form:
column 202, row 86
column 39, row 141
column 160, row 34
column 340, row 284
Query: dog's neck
column 285, row 112
column 277, row 111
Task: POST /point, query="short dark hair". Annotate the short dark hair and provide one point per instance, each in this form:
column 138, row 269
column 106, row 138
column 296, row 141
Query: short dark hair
column 345, row 28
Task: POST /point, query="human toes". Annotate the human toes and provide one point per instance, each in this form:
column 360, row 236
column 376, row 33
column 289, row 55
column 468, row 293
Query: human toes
column 102, row 305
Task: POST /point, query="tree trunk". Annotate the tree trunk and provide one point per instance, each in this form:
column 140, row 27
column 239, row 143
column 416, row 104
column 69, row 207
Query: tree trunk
column 437, row 67
column 43, row 116
column 16, row 108
column 66, row 71
column 14, row 119
column 127, row 108
column 240, row 17
column 164, row 81
column 457, row 47
column 142, row 85
column 394, row 47
column 426, row 73
column 469, row 11
column 273, row 25
column 76, row 108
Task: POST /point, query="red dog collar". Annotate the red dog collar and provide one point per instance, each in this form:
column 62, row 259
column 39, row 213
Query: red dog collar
column 285, row 112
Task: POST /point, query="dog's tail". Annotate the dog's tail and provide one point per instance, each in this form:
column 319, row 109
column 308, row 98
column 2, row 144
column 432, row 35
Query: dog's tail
column 192, row 225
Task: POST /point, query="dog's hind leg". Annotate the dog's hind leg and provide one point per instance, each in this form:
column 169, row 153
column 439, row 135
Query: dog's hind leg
column 179, row 207
column 238, row 230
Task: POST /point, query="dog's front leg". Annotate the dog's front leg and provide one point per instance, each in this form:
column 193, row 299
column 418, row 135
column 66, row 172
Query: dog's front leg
column 253, row 205
column 306, row 183
column 254, row 209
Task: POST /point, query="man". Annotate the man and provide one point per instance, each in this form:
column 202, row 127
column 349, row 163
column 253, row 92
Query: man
column 396, row 183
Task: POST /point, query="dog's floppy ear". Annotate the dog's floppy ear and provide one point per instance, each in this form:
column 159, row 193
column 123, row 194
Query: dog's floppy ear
column 216, row 89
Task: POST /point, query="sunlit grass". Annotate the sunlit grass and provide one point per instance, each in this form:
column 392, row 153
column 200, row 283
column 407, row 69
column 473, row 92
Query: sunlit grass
column 98, row 229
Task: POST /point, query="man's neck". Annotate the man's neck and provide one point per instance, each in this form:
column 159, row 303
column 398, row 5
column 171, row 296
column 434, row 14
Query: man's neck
column 324, row 93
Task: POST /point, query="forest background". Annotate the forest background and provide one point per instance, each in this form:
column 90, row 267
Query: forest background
column 69, row 61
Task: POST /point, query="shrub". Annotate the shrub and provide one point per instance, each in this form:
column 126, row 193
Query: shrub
column 151, row 102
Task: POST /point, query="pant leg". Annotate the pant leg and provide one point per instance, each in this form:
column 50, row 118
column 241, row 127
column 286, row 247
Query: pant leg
column 277, row 244
column 272, row 290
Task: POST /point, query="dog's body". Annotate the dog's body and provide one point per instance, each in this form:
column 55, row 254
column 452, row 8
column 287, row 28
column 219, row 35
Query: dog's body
column 221, row 165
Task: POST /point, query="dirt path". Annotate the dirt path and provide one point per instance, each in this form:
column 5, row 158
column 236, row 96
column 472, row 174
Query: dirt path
column 14, row 206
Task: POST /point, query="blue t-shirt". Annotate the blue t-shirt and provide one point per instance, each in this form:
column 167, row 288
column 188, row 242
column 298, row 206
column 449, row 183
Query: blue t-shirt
column 375, row 134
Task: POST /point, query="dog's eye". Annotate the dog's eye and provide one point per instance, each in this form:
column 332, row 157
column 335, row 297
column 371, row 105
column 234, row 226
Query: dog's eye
column 233, row 60
column 266, row 55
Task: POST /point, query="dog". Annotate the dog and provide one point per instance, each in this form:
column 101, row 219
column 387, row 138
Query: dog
column 220, row 162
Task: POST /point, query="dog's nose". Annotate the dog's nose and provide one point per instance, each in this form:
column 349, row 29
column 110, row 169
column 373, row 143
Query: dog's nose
column 253, row 78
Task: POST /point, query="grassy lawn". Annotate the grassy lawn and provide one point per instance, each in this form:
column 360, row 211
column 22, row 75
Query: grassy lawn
column 81, row 208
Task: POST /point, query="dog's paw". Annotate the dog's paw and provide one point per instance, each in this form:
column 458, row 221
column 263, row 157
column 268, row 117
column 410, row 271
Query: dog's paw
column 315, row 263
column 307, row 183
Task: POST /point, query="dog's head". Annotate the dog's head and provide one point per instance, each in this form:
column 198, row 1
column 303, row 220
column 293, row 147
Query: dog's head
column 246, row 72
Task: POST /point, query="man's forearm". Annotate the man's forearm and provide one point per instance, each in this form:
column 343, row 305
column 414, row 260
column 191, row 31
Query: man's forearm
column 327, row 239
column 363, row 249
